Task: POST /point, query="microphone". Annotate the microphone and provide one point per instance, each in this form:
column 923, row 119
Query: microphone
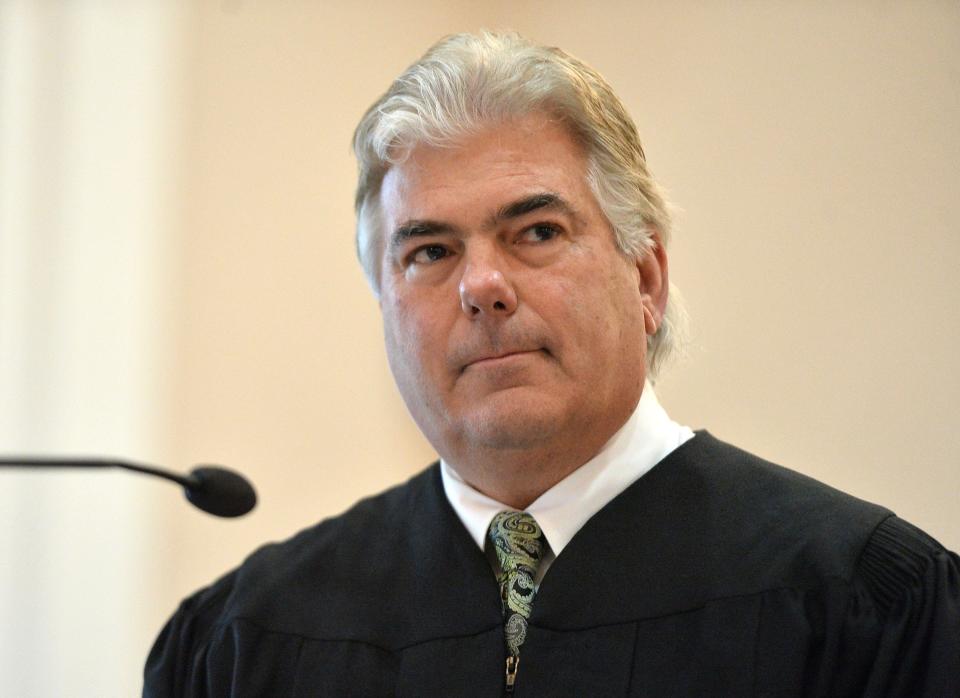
column 213, row 489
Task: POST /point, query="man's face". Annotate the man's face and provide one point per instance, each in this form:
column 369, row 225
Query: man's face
column 512, row 321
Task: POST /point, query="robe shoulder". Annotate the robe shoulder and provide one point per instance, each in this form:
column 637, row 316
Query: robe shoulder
column 716, row 522
column 767, row 526
column 280, row 586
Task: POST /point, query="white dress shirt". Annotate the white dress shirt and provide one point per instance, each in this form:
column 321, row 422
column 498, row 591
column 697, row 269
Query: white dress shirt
column 643, row 441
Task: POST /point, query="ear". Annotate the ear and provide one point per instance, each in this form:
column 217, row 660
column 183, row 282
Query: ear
column 654, row 283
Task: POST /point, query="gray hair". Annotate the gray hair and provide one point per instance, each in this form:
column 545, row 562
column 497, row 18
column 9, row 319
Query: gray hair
column 468, row 81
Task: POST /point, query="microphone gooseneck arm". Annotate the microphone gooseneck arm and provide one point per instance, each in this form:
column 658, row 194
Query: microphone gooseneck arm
column 213, row 489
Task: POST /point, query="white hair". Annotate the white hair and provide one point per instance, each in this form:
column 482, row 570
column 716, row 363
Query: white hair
column 466, row 82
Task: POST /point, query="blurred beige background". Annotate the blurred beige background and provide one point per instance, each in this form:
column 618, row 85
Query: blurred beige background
column 178, row 284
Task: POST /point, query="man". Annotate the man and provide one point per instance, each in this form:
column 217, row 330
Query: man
column 573, row 540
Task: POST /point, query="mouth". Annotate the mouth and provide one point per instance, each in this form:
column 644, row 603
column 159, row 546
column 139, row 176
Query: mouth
column 502, row 358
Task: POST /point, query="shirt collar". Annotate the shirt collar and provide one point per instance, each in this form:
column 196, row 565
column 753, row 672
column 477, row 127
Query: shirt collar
column 643, row 441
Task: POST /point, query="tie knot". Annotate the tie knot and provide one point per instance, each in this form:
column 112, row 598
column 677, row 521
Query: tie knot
column 518, row 540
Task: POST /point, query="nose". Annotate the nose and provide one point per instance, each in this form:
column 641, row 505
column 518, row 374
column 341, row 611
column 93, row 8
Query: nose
column 485, row 291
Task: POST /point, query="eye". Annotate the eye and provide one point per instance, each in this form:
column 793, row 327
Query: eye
column 428, row 254
column 541, row 232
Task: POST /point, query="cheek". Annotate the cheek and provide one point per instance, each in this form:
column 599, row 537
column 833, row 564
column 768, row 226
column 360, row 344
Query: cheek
column 598, row 303
column 408, row 337
column 397, row 330
column 606, row 315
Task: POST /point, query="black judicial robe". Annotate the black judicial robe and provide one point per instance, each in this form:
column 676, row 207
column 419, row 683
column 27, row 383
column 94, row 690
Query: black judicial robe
column 715, row 574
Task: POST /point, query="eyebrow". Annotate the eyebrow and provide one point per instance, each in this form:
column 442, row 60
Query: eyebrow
column 515, row 209
column 536, row 202
column 418, row 228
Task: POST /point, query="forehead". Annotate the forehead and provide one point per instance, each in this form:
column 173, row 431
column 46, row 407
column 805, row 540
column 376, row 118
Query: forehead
column 486, row 169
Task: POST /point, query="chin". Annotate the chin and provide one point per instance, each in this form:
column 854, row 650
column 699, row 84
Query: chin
column 517, row 425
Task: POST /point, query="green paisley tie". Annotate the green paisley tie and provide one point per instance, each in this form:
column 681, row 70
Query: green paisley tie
column 519, row 543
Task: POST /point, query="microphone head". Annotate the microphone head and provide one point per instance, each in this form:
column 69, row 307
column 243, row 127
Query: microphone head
column 220, row 492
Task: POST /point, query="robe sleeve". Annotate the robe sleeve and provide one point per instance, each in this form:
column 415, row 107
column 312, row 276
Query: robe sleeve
column 176, row 666
column 914, row 586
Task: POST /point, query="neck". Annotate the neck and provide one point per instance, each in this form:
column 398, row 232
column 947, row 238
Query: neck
column 515, row 482
column 517, row 477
